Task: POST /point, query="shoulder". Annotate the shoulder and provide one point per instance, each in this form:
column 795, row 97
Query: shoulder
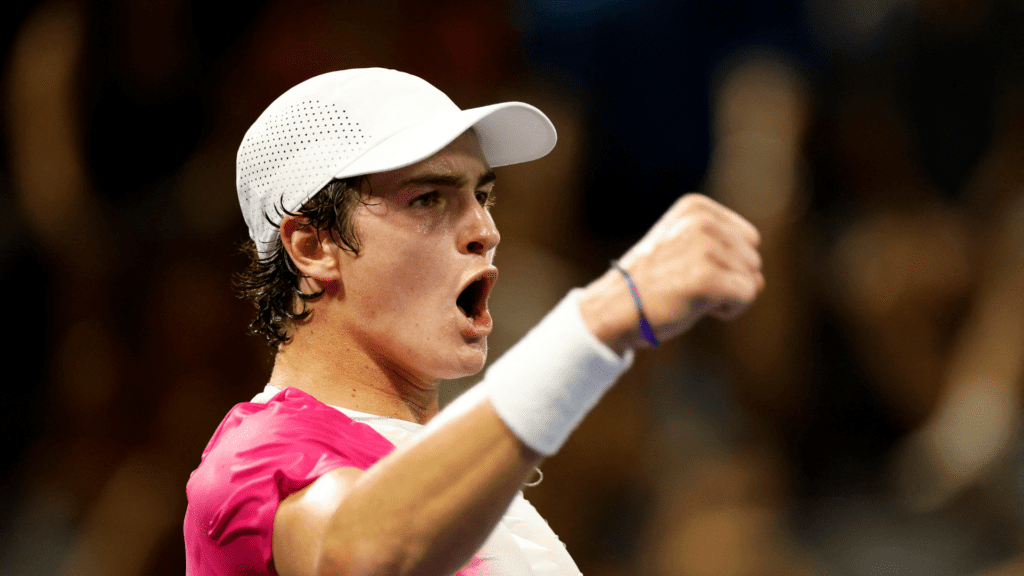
column 261, row 453
column 292, row 421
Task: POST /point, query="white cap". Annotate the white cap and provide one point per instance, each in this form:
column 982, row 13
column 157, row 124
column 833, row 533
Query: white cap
column 361, row 121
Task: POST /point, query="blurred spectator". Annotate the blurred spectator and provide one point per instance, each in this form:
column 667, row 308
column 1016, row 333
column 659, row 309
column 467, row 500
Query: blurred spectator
column 887, row 184
column 723, row 506
column 922, row 293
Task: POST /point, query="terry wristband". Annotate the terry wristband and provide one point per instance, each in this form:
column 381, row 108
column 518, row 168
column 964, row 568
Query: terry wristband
column 545, row 384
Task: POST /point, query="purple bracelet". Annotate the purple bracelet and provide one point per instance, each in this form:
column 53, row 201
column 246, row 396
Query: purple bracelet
column 645, row 326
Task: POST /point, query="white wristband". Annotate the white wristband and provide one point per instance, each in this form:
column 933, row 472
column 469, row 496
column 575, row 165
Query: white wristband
column 545, row 384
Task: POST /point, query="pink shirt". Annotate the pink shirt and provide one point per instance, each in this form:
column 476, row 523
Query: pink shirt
column 260, row 454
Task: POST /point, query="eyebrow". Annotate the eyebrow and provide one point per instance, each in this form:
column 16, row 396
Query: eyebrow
column 447, row 180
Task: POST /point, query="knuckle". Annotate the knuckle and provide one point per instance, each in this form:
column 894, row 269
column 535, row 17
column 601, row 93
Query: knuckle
column 699, row 198
column 694, row 201
column 708, row 255
column 748, row 289
column 709, row 225
column 753, row 259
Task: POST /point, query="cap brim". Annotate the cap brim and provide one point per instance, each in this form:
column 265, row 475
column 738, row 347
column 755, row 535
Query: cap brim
column 509, row 133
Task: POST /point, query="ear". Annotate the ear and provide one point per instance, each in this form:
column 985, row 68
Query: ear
column 312, row 252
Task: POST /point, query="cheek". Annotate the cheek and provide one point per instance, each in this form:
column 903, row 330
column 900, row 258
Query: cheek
column 411, row 280
column 407, row 272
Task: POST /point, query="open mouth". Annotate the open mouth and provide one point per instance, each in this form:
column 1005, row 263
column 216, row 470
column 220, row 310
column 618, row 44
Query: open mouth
column 472, row 301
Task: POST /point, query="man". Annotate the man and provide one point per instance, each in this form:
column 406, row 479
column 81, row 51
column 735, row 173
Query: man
column 371, row 189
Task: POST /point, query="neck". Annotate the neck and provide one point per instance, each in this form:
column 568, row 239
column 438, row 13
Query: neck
column 337, row 371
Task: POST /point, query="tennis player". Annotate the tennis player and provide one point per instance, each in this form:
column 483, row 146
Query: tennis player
column 367, row 196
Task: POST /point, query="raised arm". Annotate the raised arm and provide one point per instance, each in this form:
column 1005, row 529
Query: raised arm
column 424, row 509
column 429, row 506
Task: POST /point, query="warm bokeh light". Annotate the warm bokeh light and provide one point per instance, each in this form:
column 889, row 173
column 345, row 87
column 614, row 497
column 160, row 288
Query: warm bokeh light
column 864, row 417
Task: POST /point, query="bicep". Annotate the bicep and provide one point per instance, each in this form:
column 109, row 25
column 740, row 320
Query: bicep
column 302, row 519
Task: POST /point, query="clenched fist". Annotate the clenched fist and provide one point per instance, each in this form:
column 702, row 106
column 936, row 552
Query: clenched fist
column 699, row 259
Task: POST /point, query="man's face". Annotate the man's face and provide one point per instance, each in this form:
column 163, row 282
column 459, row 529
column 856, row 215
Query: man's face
column 415, row 297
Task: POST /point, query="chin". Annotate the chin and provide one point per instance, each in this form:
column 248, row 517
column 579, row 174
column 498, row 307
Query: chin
column 464, row 363
column 462, row 371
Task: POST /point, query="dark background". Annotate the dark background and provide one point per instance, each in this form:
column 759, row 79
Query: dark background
column 862, row 419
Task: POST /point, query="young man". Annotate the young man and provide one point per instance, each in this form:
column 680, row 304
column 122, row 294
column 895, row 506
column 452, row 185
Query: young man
column 367, row 196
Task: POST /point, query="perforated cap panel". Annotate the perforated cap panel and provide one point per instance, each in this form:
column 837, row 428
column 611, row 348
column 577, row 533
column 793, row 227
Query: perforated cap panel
column 296, row 151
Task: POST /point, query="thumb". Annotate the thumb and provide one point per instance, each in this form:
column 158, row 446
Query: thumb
column 729, row 310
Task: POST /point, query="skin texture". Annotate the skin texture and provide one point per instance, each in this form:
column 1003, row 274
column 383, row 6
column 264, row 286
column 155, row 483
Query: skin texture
column 387, row 329
column 700, row 259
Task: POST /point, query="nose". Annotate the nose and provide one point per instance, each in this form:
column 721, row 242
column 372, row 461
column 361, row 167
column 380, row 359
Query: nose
column 479, row 234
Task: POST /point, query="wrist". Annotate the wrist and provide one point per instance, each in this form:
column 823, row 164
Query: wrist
column 545, row 384
column 608, row 312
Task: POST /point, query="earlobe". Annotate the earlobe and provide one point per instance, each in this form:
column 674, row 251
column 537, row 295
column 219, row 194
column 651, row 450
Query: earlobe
column 312, row 252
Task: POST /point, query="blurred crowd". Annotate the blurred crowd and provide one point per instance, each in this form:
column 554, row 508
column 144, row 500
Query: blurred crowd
column 864, row 417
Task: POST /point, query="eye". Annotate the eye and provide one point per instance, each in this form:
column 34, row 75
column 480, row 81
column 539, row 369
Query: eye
column 485, row 198
column 426, row 200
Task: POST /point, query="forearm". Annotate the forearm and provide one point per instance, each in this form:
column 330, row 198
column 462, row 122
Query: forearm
column 427, row 507
column 430, row 505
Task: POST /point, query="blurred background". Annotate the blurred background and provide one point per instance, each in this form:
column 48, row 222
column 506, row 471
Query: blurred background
column 863, row 418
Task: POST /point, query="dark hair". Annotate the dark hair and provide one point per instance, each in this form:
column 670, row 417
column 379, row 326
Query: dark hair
column 272, row 283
